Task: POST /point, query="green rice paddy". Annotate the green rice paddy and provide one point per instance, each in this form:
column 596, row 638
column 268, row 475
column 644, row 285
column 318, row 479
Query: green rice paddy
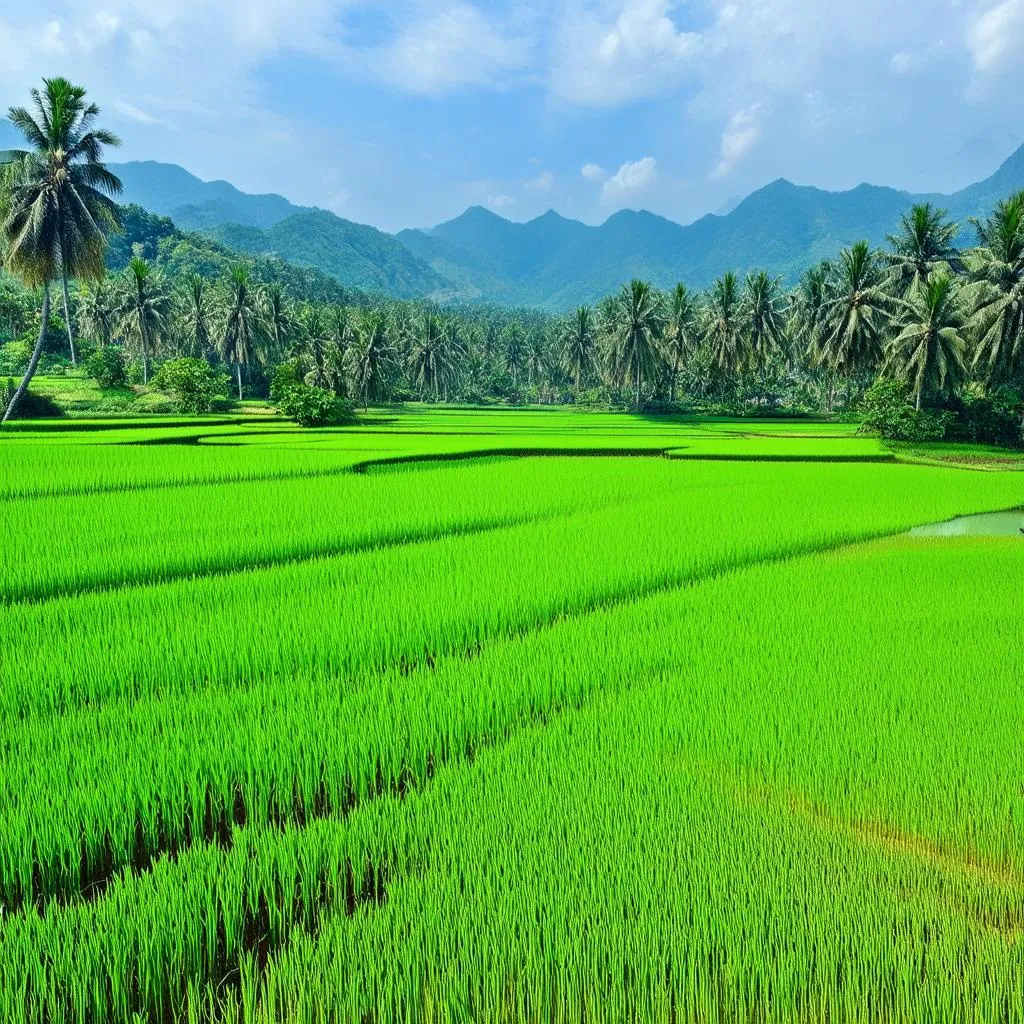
column 506, row 716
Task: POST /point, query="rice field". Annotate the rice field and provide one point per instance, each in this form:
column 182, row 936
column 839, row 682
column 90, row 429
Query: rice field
column 506, row 716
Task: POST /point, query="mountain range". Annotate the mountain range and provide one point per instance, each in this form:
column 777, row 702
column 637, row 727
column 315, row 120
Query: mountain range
column 551, row 261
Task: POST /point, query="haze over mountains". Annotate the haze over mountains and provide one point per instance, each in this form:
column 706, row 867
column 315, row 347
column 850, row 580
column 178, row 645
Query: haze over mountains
column 550, row 261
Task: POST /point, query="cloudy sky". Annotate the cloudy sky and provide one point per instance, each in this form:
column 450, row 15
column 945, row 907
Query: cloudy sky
column 405, row 112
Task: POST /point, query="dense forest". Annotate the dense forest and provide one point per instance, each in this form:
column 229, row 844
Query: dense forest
column 922, row 337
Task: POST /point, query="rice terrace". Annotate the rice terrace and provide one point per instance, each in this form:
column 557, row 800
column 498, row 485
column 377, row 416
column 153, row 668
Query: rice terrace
column 505, row 716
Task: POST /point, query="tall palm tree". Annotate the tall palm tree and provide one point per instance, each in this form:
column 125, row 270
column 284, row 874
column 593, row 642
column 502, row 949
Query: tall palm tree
column 96, row 313
column 536, row 356
column 636, row 327
column 193, row 315
column 429, row 356
column 143, row 311
column 857, row 315
column 314, row 346
column 372, row 357
column 682, row 333
column 723, row 325
column 808, row 322
column 763, row 318
column 513, row 345
column 278, row 315
column 923, row 245
column 929, row 349
column 579, row 342
column 244, row 330
column 58, row 201
column 996, row 292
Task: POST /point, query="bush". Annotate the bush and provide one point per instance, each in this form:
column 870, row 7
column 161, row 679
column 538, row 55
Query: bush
column 286, row 376
column 106, row 367
column 193, row 383
column 888, row 408
column 314, row 407
column 991, row 419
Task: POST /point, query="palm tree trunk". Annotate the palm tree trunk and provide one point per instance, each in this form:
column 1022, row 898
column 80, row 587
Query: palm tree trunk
column 238, row 371
column 145, row 358
column 672, row 382
column 67, row 317
column 638, row 385
column 34, row 361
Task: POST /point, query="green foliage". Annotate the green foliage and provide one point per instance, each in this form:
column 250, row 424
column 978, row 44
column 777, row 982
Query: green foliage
column 310, row 406
column 193, row 383
column 107, row 367
column 889, row 408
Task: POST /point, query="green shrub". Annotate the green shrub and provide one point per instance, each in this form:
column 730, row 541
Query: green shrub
column 888, row 409
column 32, row 406
column 314, row 407
column 193, row 384
column 106, row 367
column 286, row 376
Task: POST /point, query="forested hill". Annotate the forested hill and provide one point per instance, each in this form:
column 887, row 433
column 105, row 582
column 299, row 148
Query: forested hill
column 783, row 228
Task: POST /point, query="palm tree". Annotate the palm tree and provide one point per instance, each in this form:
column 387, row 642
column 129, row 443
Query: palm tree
column 61, row 205
column 579, row 340
column 923, row 245
column 429, row 356
column 763, row 318
column 96, row 313
column 513, row 345
column 244, row 328
column 807, row 321
column 192, row 315
column 855, row 318
column 142, row 313
column 314, row 341
column 996, row 292
column 58, row 202
column 636, row 327
column 278, row 315
column 930, row 349
column 372, row 357
column 536, row 357
column 723, row 325
column 682, row 333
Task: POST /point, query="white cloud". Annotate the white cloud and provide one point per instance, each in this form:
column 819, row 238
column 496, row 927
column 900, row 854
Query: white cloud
column 592, row 172
column 500, row 201
column 630, row 177
column 996, row 36
column 622, row 51
column 738, row 139
column 134, row 113
column 543, row 181
column 445, row 50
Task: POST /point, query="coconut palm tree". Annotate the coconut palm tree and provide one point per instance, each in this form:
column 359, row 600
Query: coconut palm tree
column 193, row 315
column 922, row 246
column 762, row 312
column 856, row 317
column 96, row 313
column 579, row 341
column 429, row 356
column 58, row 204
column 536, row 356
column 61, row 200
column 243, row 330
column 278, row 316
column 929, row 349
column 372, row 357
column 996, row 293
column 314, row 346
column 682, row 333
column 513, row 348
column 723, row 325
column 807, row 322
column 636, row 326
column 143, row 311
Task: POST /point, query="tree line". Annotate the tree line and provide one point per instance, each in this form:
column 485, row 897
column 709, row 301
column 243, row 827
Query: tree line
column 940, row 327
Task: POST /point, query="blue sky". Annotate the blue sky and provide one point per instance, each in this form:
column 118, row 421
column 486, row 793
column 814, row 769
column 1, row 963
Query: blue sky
column 403, row 113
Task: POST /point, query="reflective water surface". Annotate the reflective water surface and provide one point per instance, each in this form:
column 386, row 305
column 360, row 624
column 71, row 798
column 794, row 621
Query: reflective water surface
column 985, row 524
